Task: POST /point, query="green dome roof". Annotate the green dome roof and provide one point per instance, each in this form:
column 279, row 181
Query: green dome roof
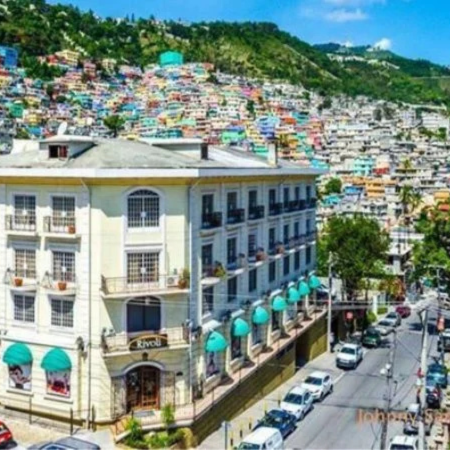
column 293, row 295
column 303, row 289
column 260, row 316
column 240, row 328
column 314, row 282
column 216, row 342
column 17, row 355
column 279, row 304
column 56, row 360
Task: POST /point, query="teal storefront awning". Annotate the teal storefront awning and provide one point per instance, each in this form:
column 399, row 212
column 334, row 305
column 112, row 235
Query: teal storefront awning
column 240, row 328
column 303, row 289
column 279, row 304
column 314, row 282
column 293, row 295
column 215, row 342
column 56, row 360
column 17, row 355
column 260, row 316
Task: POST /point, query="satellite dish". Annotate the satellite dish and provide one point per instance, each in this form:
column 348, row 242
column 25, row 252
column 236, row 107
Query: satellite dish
column 62, row 129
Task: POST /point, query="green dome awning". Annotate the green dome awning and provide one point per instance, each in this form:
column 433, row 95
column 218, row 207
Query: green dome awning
column 56, row 360
column 240, row 328
column 17, row 355
column 303, row 289
column 216, row 342
column 314, row 282
column 260, row 316
column 279, row 304
column 293, row 295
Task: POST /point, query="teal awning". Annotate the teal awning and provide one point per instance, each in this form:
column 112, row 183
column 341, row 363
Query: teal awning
column 293, row 295
column 314, row 282
column 216, row 342
column 279, row 304
column 240, row 328
column 260, row 316
column 303, row 289
column 17, row 355
column 56, row 360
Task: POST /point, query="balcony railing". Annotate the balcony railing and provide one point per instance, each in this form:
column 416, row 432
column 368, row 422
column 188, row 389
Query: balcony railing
column 275, row 209
column 21, row 278
column 311, row 203
column 236, row 263
column 141, row 284
column 215, row 270
column 311, row 236
column 213, row 220
column 256, row 212
column 21, row 222
column 235, row 216
column 62, row 282
column 145, row 341
column 63, row 225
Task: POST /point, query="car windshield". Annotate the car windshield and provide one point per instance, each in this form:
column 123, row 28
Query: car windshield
column 392, row 315
column 372, row 333
column 436, row 369
column 294, row 398
column 400, row 447
column 385, row 323
column 248, row 446
column 348, row 350
column 314, row 381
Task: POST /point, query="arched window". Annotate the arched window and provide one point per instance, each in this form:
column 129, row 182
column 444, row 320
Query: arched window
column 143, row 209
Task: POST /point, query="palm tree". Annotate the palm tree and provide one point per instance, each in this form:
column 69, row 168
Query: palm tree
column 406, row 197
column 406, row 164
column 416, row 200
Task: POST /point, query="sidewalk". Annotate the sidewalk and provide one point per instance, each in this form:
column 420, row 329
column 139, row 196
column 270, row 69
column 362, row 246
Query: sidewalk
column 248, row 419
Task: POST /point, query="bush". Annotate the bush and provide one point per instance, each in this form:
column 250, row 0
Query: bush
column 135, row 439
column 189, row 440
column 159, row 440
column 371, row 317
column 382, row 310
column 168, row 415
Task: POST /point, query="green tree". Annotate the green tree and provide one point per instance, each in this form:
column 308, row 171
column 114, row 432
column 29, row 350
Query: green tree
column 358, row 247
column 251, row 107
column 333, row 186
column 115, row 123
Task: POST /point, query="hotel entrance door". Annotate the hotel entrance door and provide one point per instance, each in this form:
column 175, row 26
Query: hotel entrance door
column 143, row 388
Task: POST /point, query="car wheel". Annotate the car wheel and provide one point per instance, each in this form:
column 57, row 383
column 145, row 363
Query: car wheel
column 321, row 397
column 302, row 416
column 331, row 388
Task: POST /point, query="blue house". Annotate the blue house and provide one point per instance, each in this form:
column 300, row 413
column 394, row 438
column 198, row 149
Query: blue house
column 9, row 57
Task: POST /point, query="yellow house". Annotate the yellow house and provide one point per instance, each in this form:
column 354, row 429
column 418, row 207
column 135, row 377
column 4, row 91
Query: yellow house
column 139, row 274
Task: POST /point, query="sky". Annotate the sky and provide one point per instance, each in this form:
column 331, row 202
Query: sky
column 411, row 28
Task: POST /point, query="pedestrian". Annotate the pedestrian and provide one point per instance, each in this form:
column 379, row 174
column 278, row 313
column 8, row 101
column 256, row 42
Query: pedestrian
column 332, row 342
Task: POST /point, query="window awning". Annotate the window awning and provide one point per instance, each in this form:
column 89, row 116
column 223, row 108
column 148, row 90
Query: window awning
column 240, row 328
column 216, row 342
column 303, row 289
column 260, row 316
column 314, row 282
column 293, row 295
column 56, row 360
column 279, row 304
column 17, row 355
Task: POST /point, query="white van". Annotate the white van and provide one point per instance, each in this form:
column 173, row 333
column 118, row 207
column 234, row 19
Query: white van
column 263, row 438
column 404, row 443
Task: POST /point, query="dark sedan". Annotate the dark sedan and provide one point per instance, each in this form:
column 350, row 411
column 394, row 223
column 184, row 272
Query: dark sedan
column 279, row 419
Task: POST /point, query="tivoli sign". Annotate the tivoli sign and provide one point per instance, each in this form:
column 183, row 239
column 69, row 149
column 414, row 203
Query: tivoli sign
column 148, row 342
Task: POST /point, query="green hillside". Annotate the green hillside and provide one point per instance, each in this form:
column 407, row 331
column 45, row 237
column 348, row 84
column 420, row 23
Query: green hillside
column 259, row 50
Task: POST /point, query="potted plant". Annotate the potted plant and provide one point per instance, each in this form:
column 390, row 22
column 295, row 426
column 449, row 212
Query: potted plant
column 71, row 229
column 18, row 281
column 219, row 271
column 280, row 248
column 184, row 280
column 62, row 285
column 260, row 255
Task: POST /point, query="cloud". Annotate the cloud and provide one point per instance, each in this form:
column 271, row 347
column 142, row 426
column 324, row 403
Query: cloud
column 348, row 44
column 343, row 15
column 383, row 44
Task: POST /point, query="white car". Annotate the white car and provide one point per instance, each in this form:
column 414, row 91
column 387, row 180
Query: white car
column 404, row 443
column 298, row 401
column 385, row 326
column 319, row 384
column 349, row 356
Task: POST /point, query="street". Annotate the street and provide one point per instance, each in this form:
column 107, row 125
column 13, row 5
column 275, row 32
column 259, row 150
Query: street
column 337, row 424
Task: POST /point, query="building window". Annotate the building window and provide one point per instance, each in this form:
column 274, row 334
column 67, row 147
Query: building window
column 207, row 204
column 58, row 151
column 272, row 271
column 232, row 289
column 142, row 267
column 63, row 211
column 25, row 211
column 276, row 320
column 286, row 265
column 207, row 260
column 297, row 193
column 144, row 315
column 296, row 229
column 308, row 255
column 297, row 261
column 25, row 263
column 24, row 308
column 236, row 347
column 308, row 193
column 232, row 201
column 62, row 313
column 208, row 300
column 231, row 251
column 256, row 334
column 252, row 280
column 64, row 266
column 286, row 234
column 212, row 365
column 143, row 209
column 252, row 199
column 272, row 238
column 272, row 196
column 252, row 244
column 286, row 196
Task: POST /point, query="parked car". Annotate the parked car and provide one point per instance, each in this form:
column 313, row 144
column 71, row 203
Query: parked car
column 349, row 356
column 385, row 327
column 439, row 373
column 319, row 384
column 263, row 438
column 443, row 343
column 371, row 338
column 298, row 401
column 434, row 393
column 283, row 421
column 402, row 442
column 67, row 443
column 394, row 317
column 5, row 435
column 403, row 311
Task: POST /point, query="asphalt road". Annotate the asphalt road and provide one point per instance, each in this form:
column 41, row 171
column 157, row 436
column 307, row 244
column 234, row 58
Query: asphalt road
column 339, row 422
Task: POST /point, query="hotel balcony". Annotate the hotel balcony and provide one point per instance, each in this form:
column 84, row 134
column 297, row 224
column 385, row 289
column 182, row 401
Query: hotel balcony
column 21, row 280
column 237, row 265
column 235, row 216
column 275, row 209
column 62, row 284
column 311, row 236
column 170, row 338
column 212, row 273
column 60, row 227
column 116, row 287
column 256, row 212
column 21, row 224
column 311, row 203
column 210, row 221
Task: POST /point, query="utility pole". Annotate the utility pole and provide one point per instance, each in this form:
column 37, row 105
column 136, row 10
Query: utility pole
column 330, row 286
column 389, row 372
column 423, row 370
